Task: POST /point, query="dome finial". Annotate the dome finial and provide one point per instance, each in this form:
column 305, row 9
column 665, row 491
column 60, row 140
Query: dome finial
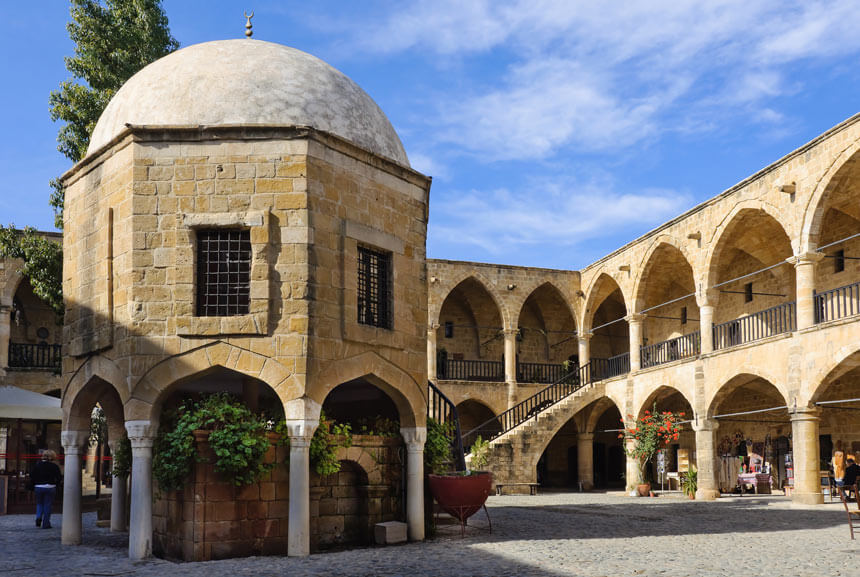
column 248, row 25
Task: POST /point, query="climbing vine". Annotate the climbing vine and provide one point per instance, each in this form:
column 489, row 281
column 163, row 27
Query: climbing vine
column 236, row 435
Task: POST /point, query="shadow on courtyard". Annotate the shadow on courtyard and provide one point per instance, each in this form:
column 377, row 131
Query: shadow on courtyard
column 630, row 517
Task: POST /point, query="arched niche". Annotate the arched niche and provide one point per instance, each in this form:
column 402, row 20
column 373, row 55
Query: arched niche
column 753, row 423
column 470, row 323
column 547, row 328
column 752, row 240
column 666, row 278
column 606, row 312
column 474, row 414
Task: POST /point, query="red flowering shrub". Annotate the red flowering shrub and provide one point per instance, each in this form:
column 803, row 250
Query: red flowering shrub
column 649, row 434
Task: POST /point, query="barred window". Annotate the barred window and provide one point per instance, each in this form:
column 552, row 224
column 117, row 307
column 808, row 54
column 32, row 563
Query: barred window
column 374, row 287
column 223, row 272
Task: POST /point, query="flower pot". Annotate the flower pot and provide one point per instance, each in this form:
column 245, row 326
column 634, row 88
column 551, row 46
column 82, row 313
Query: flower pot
column 643, row 489
column 461, row 496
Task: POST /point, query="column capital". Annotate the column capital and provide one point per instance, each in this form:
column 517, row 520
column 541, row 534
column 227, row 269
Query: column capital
column 585, row 436
column 805, row 414
column 585, row 336
column 510, row 331
column 433, row 328
column 811, row 257
column 73, row 441
column 414, row 437
column 300, row 441
column 705, row 425
column 634, row 318
column 140, row 430
column 301, row 429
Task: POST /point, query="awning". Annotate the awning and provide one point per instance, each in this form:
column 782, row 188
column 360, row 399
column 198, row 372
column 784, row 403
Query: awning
column 18, row 403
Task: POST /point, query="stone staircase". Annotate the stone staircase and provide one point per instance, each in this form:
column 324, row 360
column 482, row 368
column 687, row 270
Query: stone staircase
column 514, row 454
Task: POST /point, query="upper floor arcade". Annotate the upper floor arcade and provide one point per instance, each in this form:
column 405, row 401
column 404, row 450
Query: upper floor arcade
column 30, row 332
column 775, row 255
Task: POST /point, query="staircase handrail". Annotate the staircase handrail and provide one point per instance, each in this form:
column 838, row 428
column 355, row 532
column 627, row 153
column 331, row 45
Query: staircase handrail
column 447, row 415
column 537, row 403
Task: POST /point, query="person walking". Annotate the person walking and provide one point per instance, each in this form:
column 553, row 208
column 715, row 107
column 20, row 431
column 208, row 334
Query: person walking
column 45, row 477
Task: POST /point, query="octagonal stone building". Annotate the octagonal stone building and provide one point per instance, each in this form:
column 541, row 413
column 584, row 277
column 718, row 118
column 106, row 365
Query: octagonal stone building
column 245, row 218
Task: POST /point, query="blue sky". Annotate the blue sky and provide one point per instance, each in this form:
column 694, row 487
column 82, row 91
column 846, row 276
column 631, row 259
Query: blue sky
column 555, row 131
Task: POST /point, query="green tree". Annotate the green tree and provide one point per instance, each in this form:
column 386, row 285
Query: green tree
column 43, row 262
column 113, row 40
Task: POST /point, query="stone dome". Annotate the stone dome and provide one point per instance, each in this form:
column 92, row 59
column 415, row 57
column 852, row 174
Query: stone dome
column 251, row 82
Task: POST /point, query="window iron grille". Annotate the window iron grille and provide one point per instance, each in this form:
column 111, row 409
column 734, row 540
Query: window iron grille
column 374, row 287
column 223, row 272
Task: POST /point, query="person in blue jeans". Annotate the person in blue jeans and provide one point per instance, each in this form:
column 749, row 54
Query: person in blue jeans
column 45, row 477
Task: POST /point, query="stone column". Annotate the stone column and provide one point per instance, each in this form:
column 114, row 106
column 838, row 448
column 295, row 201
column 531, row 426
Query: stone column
column 584, row 349
column 73, row 447
column 632, row 471
column 706, row 459
column 4, row 437
column 5, row 332
column 90, row 464
column 585, row 460
column 431, row 352
column 511, row 364
column 141, row 434
column 118, row 496
column 635, row 321
column 706, row 327
column 804, row 447
column 302, row 418
column 415, row 437
column 804, row 269
column 299, row 537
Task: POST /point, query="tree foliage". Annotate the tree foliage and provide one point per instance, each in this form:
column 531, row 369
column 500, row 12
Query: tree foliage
column 113, row 40
column 649, row 433
column 43, row 262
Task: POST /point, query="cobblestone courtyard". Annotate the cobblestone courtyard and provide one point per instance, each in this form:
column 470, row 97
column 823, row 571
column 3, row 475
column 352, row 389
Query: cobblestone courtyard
column 548, row 535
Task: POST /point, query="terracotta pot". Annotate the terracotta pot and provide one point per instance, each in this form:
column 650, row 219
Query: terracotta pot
column 461, row 496
column 643, row 489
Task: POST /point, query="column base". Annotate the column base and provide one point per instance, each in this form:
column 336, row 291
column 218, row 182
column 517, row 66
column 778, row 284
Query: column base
column 587, row 486
column 807, row 498
column 707, row 495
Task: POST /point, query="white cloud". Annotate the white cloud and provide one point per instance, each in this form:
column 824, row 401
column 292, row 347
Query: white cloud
column 549, row 214
column 590, row 76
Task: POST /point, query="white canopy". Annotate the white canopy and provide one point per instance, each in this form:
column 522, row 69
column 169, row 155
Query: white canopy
column 18, row 403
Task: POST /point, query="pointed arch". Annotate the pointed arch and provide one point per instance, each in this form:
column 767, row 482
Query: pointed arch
column 149, row 391
column 446, row 287
column 728, row 227
column 554, row 339
column 528, row 291
column 408, row 395
column 845, row 359
column 743, row 376
column 601, row 287
column 662, row 243
column 813, row 215
column 665, row 391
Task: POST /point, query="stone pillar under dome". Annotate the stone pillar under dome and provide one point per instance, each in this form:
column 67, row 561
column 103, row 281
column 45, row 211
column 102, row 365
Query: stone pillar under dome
column 118, row 497
column 73, row 448
column 415, row 437
column 141, row 434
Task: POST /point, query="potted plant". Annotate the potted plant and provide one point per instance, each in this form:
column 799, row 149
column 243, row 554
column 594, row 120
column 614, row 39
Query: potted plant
column 690, row 482
column 649, row 433
column 460, row 493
